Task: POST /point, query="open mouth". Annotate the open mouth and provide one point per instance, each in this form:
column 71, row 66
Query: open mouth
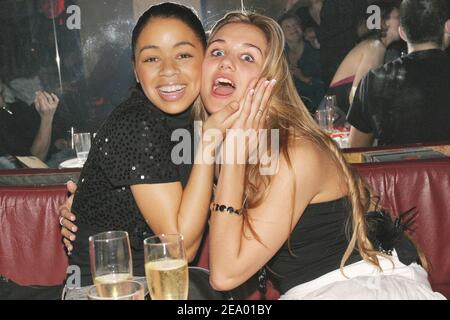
column 223, row 87
column 171, row 92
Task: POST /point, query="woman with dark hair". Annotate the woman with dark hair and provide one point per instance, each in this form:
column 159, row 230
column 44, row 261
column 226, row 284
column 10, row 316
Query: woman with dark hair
column 131, row 181
column 367, row 55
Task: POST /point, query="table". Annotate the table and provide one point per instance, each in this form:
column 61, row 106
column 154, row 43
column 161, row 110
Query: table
column 199, row 288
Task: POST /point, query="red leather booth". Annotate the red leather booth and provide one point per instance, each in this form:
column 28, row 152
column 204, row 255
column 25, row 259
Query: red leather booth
column 32, row 259
column 31, row 251
column 424, row 184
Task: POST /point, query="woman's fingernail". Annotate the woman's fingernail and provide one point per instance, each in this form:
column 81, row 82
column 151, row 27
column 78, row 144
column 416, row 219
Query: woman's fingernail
column 74, row 229
column 252, row 91
column 266, row 83
column 273, row 81
column 72, row 238
column 72, row 218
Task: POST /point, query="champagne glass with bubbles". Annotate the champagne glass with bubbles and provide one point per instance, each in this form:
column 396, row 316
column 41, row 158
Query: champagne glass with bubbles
column 110, row 258
column 124, row 290
column 166, row 267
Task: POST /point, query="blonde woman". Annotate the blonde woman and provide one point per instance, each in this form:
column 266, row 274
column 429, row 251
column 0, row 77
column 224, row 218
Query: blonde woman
column 293, row 221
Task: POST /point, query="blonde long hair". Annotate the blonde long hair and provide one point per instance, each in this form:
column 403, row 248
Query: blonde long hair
column 288, row 114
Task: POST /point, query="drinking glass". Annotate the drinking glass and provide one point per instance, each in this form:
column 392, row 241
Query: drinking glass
column 124, row 290
column 166, row 267
column 110, row 258
column 330, row 102
column 69, row 138
column 324, row 118
column 82, row 142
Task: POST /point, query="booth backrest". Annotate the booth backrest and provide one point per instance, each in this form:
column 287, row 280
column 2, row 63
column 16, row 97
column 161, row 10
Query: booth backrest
column 425, row 185
column 31, row 251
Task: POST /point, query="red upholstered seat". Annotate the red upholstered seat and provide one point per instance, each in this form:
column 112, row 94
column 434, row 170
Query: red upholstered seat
column 31, row 250
column 425, row 185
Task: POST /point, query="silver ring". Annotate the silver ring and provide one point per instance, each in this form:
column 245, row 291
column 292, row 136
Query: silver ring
column 61, row 218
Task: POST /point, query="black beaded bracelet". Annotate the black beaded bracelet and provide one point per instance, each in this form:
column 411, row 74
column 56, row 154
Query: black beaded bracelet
column 223, row 208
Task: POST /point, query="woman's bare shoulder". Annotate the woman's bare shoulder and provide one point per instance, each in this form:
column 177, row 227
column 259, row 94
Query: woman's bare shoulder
column 374, row 45
column 305, row 152
column 316, row 171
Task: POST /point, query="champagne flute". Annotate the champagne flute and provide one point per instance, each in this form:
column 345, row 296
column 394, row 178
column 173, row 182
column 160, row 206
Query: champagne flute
column 111, row 262
column 124, row 290
column 166, row 267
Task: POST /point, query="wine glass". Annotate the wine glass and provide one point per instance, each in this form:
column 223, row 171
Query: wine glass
column 327, row 114
column 324, row 118
column 124, row 290
column 110, row 257
column 166, row 267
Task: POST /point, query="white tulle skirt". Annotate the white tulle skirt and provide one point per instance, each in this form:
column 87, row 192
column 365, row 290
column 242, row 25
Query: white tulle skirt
column 366, row 282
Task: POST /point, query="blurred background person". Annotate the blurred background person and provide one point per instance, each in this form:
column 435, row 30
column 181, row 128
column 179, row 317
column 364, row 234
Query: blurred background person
column 310, row 17
column 26, row 130
column 337, row 33
column 408, row 100
column 304, row 61
column 368, row 54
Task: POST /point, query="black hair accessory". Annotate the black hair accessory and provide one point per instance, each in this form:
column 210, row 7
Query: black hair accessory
column 387, row 234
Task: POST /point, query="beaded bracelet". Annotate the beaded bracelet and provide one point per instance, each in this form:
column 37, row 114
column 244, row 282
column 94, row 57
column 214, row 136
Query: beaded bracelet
column 223, row 208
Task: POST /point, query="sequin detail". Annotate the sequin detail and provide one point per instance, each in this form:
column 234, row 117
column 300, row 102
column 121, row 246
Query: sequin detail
column 132, row 147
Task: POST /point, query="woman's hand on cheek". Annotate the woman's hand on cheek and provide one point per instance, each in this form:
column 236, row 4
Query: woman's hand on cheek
column 222, row 119
column 253, row 111
column 254, row 105
column 259, row 104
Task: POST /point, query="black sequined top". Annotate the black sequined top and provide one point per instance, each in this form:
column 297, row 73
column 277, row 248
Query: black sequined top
column 132, row 147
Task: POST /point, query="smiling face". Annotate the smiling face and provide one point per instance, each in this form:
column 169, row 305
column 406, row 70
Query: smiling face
column 168, row 58
column 291, row 29
column 234, row 57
